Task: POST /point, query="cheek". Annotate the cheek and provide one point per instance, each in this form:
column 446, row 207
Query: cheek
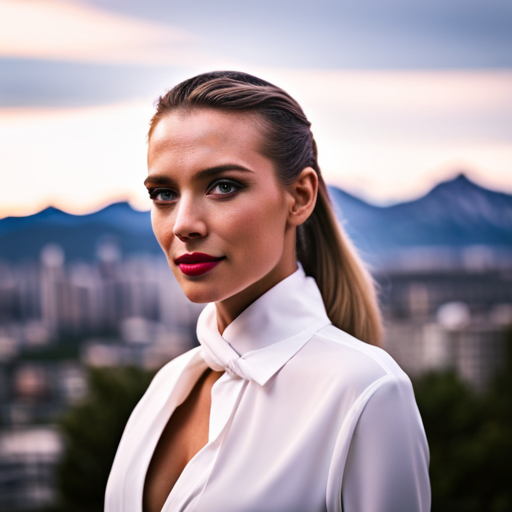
column 162, row 228
column 257, row 232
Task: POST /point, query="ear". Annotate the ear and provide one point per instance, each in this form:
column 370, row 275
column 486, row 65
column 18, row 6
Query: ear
column 303, row 192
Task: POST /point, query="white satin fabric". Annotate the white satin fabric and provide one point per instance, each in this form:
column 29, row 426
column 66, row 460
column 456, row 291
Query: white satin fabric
column 306, row 418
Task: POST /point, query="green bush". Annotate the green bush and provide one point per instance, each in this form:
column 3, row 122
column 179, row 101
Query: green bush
column 92, row 430
column 470, row 439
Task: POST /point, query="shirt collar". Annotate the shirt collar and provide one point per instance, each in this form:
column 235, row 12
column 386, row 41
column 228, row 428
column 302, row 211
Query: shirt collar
column 267, row 334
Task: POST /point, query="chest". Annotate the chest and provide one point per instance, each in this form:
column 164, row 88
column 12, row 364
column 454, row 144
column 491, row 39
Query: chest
column 259, row 448
column 184, row 435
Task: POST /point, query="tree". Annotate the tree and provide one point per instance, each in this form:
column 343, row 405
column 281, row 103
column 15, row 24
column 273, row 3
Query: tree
column 92, row 430
column 470, row 439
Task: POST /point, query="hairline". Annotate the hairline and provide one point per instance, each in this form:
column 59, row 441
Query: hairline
column 263, row 124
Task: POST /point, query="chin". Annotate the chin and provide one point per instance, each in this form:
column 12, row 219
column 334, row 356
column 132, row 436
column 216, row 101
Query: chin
column 201, row 294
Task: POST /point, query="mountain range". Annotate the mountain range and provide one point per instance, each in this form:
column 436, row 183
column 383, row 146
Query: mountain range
column 455, row 215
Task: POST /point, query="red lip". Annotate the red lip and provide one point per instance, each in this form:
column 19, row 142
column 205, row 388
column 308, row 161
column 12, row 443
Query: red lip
column 197, row 263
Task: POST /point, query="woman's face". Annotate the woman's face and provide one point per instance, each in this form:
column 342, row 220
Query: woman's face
column 219, row 212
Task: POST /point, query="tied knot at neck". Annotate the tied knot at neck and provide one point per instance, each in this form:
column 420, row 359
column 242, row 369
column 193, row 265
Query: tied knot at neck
column 268, row 333
column 217, row 353
column 233, row 367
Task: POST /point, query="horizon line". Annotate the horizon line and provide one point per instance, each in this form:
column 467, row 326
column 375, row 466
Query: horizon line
column 133, row 203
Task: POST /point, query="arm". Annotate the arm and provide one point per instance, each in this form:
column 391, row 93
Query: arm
column 387, row 464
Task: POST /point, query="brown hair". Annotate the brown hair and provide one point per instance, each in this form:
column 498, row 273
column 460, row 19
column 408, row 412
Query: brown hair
column 323, row 248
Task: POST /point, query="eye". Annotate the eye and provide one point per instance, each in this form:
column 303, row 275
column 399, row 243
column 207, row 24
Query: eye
column 162, row 195
column 224, row 188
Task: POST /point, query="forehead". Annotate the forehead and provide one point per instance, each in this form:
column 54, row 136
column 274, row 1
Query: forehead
column 205, row 133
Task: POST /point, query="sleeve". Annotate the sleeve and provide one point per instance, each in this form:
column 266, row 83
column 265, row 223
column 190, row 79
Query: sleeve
column 387, row 463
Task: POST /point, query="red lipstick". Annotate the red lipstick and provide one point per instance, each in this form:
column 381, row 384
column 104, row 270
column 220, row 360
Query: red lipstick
column 197, row 263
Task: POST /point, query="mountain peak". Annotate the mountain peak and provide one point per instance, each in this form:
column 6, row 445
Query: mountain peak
column 460, row 178
column 119, row 206
column 460, row 188
column 459, row 182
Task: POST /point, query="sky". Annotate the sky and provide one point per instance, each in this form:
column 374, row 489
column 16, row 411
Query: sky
column 402, row 94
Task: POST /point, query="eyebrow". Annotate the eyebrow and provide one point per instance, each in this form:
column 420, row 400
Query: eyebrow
column 204, row 173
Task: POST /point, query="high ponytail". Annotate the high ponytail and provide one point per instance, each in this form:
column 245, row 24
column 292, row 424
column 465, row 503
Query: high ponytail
column 323, row 247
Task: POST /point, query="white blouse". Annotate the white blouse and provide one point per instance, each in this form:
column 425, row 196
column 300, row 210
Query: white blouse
column 305, row 418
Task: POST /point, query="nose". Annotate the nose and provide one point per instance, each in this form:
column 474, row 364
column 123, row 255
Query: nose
column 189, row 223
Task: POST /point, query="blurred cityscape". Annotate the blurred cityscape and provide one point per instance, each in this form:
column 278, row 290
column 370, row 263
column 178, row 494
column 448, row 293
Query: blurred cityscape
column 94, row 291
column 56, row 320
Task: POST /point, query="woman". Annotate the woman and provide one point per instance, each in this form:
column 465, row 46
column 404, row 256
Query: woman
column 282, row 407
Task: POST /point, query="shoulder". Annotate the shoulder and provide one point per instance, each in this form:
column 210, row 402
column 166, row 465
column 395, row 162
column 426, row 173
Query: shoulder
column 365, row 354
column 368, row 378
column 349, row 363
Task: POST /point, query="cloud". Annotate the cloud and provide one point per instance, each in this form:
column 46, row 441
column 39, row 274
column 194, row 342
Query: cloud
column 381, row 34
column 383, row 132
column 414, row 106
column 74, row 31
column 48, row 83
